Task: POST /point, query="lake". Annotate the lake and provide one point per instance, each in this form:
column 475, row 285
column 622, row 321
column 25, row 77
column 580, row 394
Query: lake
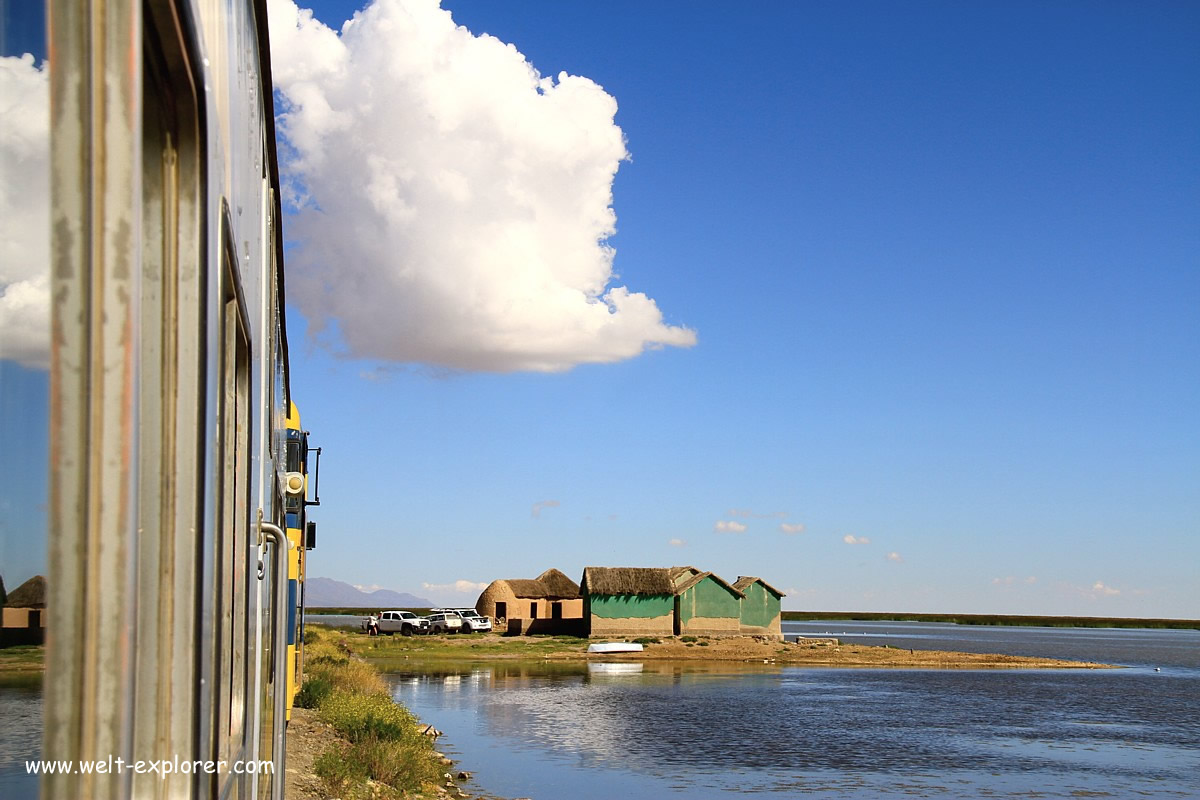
column 707, row 729
column 712, row 729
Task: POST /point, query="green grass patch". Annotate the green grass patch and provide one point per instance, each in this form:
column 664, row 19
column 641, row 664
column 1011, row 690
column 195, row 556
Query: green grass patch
column 23, row 658
column 459, row 646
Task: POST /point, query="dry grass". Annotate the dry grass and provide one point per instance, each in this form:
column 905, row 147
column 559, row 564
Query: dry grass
column 383, row 753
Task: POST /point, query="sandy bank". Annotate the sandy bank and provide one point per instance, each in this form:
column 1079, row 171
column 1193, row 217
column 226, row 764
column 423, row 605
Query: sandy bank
column 822, row 653
column 831, row 655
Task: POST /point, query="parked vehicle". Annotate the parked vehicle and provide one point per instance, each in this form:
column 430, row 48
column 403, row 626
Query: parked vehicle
column 445, row 622
column 472, row 622
column 403, row 622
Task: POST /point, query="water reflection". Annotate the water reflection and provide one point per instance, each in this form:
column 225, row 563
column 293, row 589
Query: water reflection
column 20, row 739
column 699, row 728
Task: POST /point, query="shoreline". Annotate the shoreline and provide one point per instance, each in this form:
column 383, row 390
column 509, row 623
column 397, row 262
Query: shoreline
column 815, row 653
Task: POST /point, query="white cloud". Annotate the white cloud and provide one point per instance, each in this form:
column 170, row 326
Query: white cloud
column 455, row 204
column 894, row 556
column 25, row 212
column 536, row 511
column 462, row 586
column 677, row 542
column 1100, row 590
column 728, row 526
column 852, row 539
column 785, row 527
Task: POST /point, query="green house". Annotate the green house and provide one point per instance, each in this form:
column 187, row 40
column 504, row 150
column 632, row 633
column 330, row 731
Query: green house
column 672, row 601
column 706, row 605
column 760, row 608
column 630, row 601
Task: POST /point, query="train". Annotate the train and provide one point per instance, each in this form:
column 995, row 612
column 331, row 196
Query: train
column 179, row 491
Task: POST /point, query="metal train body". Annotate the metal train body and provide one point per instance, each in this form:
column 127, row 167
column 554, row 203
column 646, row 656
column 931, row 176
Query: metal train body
column 175, row 564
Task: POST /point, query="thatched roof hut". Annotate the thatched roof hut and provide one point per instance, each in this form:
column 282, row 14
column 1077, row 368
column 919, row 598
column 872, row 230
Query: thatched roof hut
column 550, row 595
column 30, row 594
column 628, row 580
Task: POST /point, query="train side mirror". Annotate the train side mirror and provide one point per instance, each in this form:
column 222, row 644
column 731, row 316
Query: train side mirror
column 310, row 536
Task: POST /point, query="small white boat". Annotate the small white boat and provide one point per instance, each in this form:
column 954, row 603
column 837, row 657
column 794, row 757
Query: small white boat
column 614, row 647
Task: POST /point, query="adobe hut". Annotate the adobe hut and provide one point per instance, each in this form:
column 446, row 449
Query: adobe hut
column 760, row 611
column 22, row 618
column 631, row 601
column 549, row 603
column 706, row 605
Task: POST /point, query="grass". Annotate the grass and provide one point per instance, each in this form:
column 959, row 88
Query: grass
column 22, row 666
column 23, row 658
column 462, row 646
column 384, row 753
column 995, row 619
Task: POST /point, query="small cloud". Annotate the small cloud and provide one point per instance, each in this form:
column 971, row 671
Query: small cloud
column 537, row 507
column 749, row 513
column 850, row 538
column 729, row 526
column 374, row 587
column 678, row 543
column 894, row 556
column 1100, row 590
column 457, row 586
column 790, row 528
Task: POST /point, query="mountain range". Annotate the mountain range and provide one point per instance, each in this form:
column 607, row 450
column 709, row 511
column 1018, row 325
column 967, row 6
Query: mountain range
column 328, row 593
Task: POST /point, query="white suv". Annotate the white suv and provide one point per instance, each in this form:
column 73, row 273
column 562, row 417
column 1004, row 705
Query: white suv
column 403, row 622
column 445, row 622
column 472, row 622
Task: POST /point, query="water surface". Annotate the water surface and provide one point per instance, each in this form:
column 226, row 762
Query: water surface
column 717, row 729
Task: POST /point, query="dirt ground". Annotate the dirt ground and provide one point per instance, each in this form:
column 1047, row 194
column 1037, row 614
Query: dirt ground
column 307, row 738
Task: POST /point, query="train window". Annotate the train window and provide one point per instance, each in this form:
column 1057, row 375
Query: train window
column 232, row 531
column 170, row 380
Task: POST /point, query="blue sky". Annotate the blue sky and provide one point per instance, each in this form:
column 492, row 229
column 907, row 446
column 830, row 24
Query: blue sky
column 941, row 265
column 941, row 261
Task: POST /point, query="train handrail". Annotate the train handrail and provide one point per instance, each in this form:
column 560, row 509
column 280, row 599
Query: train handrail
column 276, row 536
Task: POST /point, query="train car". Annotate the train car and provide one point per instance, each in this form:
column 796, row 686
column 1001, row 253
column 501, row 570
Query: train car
column 172, row 557
column 302, row 537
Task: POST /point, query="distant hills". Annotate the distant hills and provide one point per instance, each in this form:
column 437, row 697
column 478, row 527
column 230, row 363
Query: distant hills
column 328, row 593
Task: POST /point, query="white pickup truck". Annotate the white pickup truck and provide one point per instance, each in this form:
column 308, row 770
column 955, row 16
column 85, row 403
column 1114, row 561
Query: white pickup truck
column 403, row 622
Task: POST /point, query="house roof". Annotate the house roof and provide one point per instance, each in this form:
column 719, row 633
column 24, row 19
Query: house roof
column 742, row 583
column 646, row 580
column 628, row 580
column 695, row 579
column 550, row 584
column 30, row 594
column 526, row 587
column 558, row 585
